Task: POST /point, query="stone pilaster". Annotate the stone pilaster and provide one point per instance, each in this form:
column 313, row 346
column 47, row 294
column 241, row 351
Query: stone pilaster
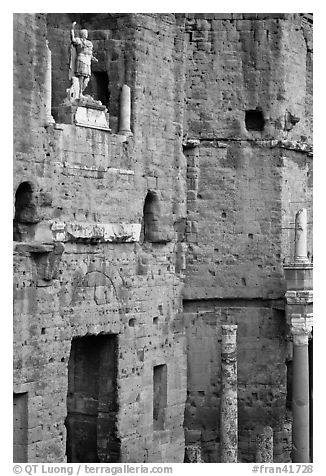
column 229, row 395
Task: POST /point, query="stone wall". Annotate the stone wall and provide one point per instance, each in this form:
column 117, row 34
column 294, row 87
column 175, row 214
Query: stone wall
column 248, row 81
column 222, row 164
column 89, row 188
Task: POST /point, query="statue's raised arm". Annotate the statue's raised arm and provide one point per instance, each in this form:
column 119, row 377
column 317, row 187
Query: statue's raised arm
column 72, row 32
column 72, row 54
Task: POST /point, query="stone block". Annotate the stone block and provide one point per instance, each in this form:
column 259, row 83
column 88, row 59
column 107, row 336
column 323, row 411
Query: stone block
column 298, row 277
column 93, row 117
column 97, row 232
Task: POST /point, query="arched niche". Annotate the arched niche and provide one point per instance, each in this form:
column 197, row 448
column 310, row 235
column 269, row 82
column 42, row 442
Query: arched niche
column 100, row 281
column 155, row 227
column 151, row 216
column 26, row 214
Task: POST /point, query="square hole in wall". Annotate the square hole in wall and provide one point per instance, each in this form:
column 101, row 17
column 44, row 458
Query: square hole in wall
column 254, row 120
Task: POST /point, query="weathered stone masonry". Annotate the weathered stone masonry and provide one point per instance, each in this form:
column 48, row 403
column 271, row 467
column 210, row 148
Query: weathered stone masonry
column 131, row 250
column 251, row 183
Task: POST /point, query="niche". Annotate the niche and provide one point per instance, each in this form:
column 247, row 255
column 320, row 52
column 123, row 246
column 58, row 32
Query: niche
column 151, row 216
column 154, row 227
column 254, row 120
column 20, row 427
column 100, row 87
column 159, row 396
column 92, row 400
column 25, row 213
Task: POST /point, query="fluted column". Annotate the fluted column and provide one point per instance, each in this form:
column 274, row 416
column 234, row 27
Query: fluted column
column 229, row 395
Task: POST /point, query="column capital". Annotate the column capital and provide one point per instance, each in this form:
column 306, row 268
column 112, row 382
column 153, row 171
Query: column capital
column 229, row 329
column 301, row 328
column 229, row 336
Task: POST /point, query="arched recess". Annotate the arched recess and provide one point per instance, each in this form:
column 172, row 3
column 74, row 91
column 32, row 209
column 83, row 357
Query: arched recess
column 155, row 226
column 151, row 216
column 101, row 280
column 26, row 214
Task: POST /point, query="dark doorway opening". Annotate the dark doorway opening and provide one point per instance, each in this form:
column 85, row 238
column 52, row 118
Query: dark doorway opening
column 92, row 400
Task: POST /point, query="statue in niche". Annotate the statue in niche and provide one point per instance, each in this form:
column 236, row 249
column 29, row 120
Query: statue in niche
column 81, row 56
column 78, row 108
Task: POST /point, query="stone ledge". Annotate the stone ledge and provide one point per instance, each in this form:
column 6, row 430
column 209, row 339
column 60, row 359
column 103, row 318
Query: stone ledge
column 33, row 247
column 221, row 142
column 95, row 169
column 95, row 232
column 190, row 143
column 299, row 297
column 296, row 146
column 48, row 233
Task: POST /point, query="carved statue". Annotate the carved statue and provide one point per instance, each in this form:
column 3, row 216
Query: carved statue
column 81, row 56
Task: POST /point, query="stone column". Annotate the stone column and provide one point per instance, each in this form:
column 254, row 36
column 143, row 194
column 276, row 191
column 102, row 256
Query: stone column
column 300, row 396
column 229, row 395
column 125, row 111
column 300, row 251
column 264, row 445
column 299, row 300
column 48, row 86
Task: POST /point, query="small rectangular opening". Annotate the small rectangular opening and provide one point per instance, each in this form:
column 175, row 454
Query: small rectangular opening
column 159, row 396
column 20, row 423
column 254, row 119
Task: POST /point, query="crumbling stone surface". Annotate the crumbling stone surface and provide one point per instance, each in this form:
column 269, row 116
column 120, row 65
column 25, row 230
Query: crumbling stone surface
column 229, row 395
column 226, row 198
column 193, row 454
column 264, row 450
